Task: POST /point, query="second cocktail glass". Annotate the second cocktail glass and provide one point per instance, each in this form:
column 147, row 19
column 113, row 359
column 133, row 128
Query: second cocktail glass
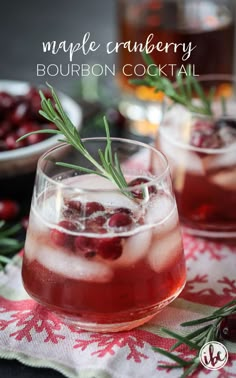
column 202, row 154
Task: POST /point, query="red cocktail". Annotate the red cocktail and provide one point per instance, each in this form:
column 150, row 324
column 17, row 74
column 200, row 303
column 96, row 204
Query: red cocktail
column 103, row 258
column 202, row 154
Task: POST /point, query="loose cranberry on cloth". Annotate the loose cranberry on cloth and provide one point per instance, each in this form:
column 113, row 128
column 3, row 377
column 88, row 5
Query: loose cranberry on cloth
column 31, row 334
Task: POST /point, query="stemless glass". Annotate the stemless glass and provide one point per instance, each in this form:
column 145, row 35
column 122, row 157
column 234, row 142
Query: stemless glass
column 102, row 258
column 201, row 151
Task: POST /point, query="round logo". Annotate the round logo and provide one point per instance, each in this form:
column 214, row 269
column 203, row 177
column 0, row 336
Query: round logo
column 213, row 355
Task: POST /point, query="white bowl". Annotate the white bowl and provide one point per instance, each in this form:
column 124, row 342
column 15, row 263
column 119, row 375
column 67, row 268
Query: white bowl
column 24, row 160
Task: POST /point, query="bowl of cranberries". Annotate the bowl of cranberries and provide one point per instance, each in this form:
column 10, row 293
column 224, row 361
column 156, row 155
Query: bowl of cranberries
column 19, row 114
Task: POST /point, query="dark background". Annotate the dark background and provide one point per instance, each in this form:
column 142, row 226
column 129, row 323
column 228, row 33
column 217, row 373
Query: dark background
column 24, row 24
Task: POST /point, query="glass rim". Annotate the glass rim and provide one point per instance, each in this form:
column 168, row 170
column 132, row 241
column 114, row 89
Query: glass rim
column 152, row 181
column 211, row 151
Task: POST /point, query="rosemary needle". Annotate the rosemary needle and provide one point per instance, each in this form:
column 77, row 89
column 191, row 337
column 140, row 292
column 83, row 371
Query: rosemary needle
column 108, row 167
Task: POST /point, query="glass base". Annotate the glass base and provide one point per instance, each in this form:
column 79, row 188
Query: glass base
column 147, row 314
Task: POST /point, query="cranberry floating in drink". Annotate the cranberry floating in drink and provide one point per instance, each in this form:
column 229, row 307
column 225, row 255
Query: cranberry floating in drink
column 103, row 247
column 201, row 150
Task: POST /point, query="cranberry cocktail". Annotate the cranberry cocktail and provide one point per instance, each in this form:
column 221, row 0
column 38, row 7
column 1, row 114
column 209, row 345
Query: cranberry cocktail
column 202, row 154
column 102, row 257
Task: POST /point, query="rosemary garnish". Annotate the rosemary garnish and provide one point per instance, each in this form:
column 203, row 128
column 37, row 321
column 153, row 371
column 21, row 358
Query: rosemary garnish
column 108, row 167
column 8, row 244
column 195, row 340
column 182, row 93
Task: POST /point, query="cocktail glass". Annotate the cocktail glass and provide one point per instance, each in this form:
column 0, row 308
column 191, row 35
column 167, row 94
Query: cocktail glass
column 102, row 258
column 202, row 155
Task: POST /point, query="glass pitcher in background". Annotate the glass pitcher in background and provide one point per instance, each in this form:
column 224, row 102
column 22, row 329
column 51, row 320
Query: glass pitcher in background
column 207, row 24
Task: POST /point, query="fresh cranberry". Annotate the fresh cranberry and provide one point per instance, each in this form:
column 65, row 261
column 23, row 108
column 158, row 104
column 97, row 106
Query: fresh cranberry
column 74, row 205
column 11, row 143
column 72, row 209
column 6, row 101
column 20, row 113
column 61, row 238
column 95, row 224
column 26, row 128
column 93, row 207
column 110, row 248
column 35, row 138
column 123, row 210
column 86, row 246
column 228, row 328
column 5, row 128
column 120, row 220
column 138, row 193
column 8, row 209
column 204, row 134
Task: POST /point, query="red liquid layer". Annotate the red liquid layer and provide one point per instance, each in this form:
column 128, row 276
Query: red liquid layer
column 131, row 294
column 206, row 206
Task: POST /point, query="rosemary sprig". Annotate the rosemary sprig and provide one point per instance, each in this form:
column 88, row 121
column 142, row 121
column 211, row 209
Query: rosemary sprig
column 8, row 244
column 196, row 339
column 108, row 167
column 181, row 93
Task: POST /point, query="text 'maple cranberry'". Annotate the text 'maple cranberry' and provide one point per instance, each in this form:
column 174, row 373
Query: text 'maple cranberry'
column 120, row 220
column 138, row 193
column 8, row 209
column 61, row 238
column 93, row 207
column 228, row 328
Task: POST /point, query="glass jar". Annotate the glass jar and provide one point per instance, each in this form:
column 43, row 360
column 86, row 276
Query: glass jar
column 207, row 24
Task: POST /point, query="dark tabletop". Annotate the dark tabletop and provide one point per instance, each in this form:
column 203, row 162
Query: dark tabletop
column 24, row 25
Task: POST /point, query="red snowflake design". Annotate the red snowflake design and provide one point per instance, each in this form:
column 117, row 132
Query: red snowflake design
column 208, row 295
column 29, row 317
column 195, row 246
column 109, row 344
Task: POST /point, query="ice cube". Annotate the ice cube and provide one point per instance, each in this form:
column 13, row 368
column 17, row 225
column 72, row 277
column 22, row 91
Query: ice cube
column 32, row 245
column 134, row 249
column 106, row 198
column 226, row 179
column 159, row 208
column 179, row 156
column 74, row 267
column 165, row 251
